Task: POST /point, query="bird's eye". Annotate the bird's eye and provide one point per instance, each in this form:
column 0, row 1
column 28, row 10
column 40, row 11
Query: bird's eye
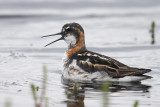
column 68, row 29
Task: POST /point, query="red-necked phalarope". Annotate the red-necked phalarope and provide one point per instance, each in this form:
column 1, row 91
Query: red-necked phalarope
column 80, row 64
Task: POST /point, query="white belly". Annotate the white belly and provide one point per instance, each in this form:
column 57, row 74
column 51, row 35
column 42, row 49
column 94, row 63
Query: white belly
column 75, row 73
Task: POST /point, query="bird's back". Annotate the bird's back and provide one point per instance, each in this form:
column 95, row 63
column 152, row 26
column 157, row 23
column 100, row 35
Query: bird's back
column 92, row 63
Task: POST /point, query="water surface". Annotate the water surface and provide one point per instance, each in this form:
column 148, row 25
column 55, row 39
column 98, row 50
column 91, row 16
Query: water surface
column 116, row 28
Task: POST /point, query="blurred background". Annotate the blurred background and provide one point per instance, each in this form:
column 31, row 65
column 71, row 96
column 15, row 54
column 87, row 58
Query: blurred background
column 106, row 22
column 121, row 29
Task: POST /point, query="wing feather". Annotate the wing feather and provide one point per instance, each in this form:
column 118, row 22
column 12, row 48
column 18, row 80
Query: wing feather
column 93, row 62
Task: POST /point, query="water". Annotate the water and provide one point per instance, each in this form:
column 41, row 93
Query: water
column 116, row 28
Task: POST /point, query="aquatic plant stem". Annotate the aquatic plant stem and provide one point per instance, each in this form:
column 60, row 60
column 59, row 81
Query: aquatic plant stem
column 43, row 92
column 152, row 32
column 7, row 103
column 136, row 103
column 39, row 100
column 105, row 89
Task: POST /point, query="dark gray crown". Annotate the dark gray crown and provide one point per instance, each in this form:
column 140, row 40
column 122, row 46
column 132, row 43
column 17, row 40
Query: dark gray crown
column 72, row 27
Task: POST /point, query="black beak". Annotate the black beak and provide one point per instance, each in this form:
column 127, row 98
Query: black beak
column 52, row 35
column 55, row 40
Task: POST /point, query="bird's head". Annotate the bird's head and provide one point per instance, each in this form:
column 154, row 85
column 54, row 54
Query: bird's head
column 72, row 34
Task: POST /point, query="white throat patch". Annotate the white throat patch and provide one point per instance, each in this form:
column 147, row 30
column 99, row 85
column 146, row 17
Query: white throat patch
column 70, row 40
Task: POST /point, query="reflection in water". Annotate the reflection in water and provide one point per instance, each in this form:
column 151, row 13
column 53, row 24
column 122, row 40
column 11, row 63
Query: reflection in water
column 76, row 95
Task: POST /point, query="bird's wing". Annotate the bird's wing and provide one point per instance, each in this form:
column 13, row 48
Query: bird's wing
column 93, row 62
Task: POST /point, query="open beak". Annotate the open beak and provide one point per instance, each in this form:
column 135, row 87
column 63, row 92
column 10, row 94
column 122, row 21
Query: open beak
column 53, row 35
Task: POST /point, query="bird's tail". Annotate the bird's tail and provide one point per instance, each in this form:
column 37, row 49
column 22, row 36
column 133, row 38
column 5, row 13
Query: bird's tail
column 133, row 71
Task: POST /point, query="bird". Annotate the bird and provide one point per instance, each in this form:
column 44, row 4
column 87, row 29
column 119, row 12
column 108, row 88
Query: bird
column 80, row 64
